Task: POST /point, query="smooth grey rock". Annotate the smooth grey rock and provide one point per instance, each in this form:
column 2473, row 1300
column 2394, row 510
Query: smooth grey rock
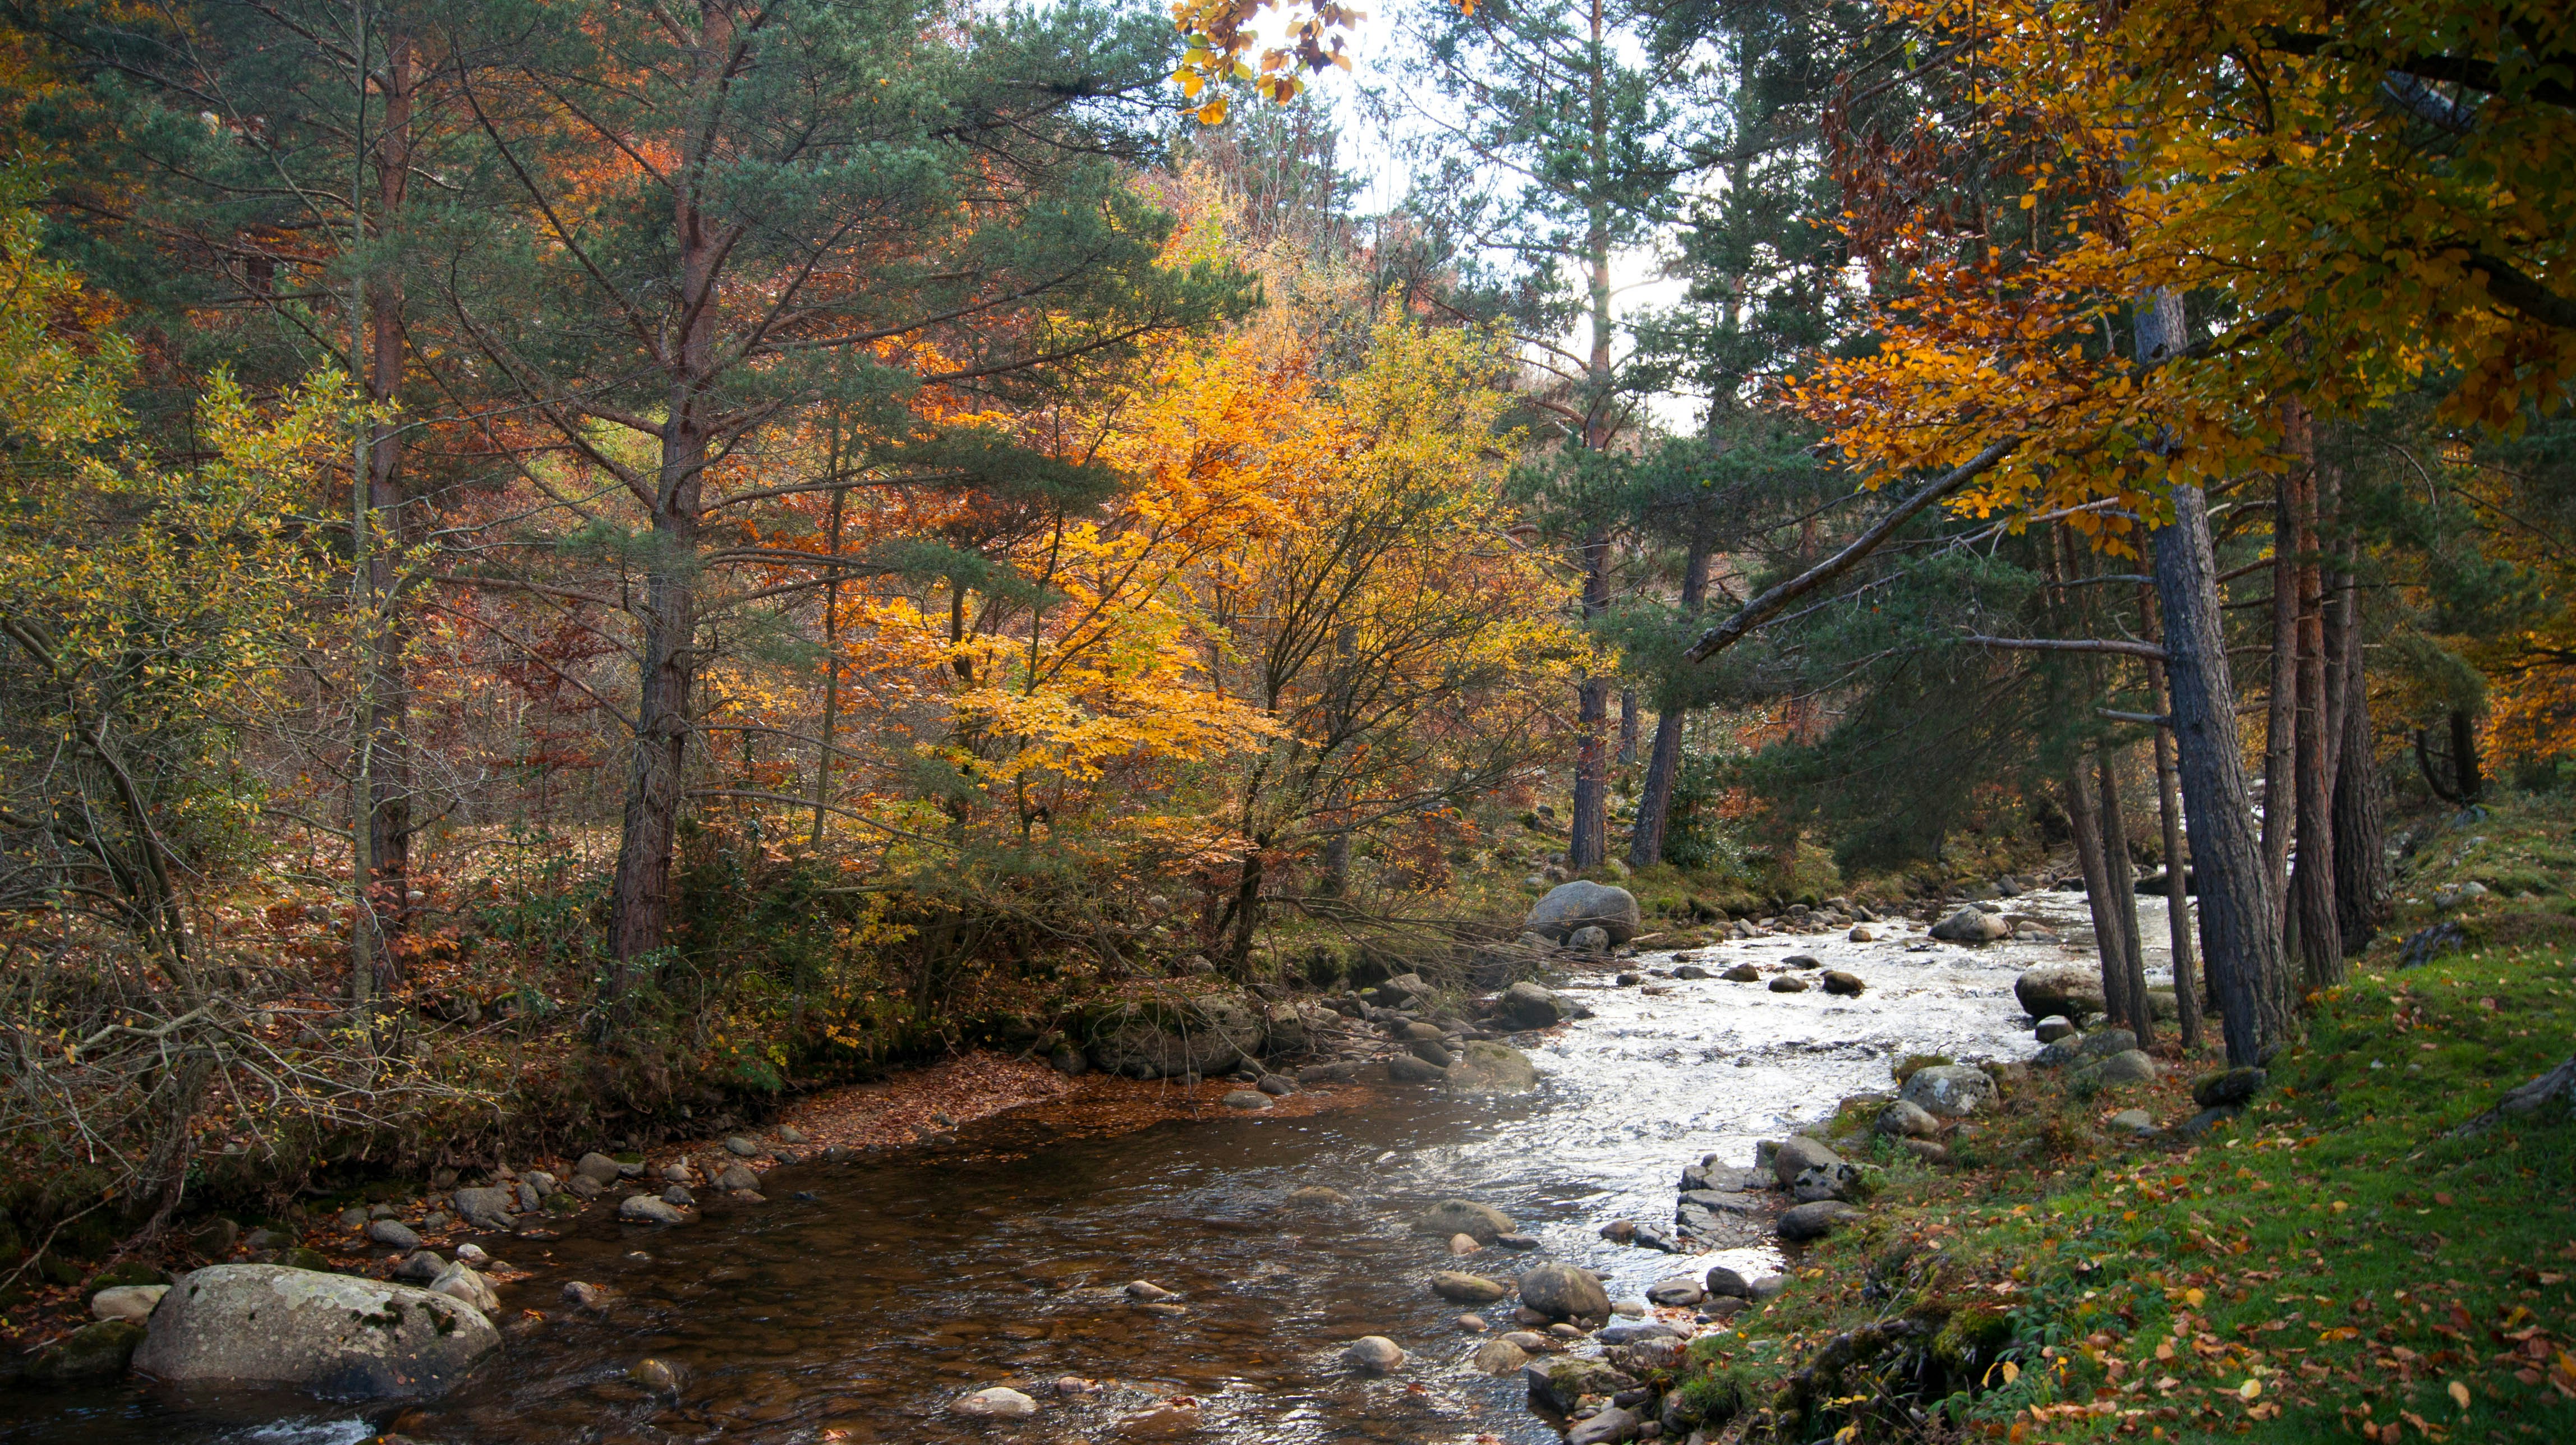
column 1572, row 906
column 2129, row 1066
column 790, row 1134
column 1948, row 1091
column 393, row 1233
column 1769, row 1286
column 1629, row 1329
column 645, row 1209
column 1433, row 1051
column 1728, row 1283
column 742, row 1147
column 998, row 1402
column 332, row 1334
column 2053, row 1028
column 541, row 1181
column 1500, row 1357
column 488, row 1208
column 1277, row 1086
column 1678, row 1292
column 2132, row 1121
column 1250, row 1100
column 1690, row 971
column 1815, row 1221
column 1591, row 938
column 420, row 1267
column 1611, row 1427
column 1479, row 1222
column 2068, row 990
column 127, row 1301
column 736, row 1177
column 1375, row 1354
column 1467, row 1289
column 461, row 1281
column 1843, row 985
column 1788, row 983
column 1905, row 1119
column 586, row 1296
column 679, row 1197
column 1559, row 1381
column 1971, row 925
column 1316, row 1196
column 2103, row 1043
column 1406, row 1069
column 596, row 1167
column 1796, row 1154
column 2208, row 1119
column 1560, row 1291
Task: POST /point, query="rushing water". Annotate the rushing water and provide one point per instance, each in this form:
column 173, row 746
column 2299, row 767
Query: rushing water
column 865, row 1297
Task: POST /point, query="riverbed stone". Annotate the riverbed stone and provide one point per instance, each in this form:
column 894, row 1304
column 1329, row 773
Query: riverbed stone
column 742, row 1146
column 2129, row 1066
column 419, row 1267
column 393, row 1234
column 1612, row 1426
column 647, row 1209
column 1479, row 1222
column 99, row 1350
column 1500, row 1357
column 1843, row 985
column 1971, row 925
column 1316, row 1196
column 1561, row 1291
column 1277, row 1086
column 1725, row 1281
column 1950, row 1091
column 2053, row 1028
column 1845, row 1182
column 996, row 1402
column 1249, row 1100
column 1433, row 1051
column 461, row 1281
column 333, row 1334
column 1690, row 971
column 1374, row 1354
column 1406, row 1069
column 1209, row 1034
column 1815, row 1221
column 1526, row 1005
column 1486, row 1067
column 596, row 1167
column 1742, row 973
column 1569, row 907
column 127, row 1301
column 1788, row 983
column 1680, row 1291
column 735, row 1177
column 1467, row 1289
column 1464, row 1244
column 1796, row 1154
column 487, row 1208
column 1559, row 1381
column 2069, row 990
column 2131, row 1121
column 1149, row 1292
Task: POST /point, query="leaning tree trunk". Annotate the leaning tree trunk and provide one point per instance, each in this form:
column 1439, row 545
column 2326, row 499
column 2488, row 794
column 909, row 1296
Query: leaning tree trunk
column 2123, row 882
column 2239, row 935
column 1664, row 757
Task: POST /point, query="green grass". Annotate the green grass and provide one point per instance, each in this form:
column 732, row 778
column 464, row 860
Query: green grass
column 2337, row 1265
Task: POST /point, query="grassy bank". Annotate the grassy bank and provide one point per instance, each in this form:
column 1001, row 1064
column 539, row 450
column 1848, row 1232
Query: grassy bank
column 2346, row 1261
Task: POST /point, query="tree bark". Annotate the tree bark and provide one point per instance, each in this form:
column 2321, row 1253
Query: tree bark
column 2312, row 885
column 1628, row 727
column 2084, row 819
column 2280, row 719
column 2466, row 776
column 2177, row 868
column 385, row 692
column 2239, row 936
column 1589, row 843
column 1664, row 757
column 2123, row 883
column 2360, row 802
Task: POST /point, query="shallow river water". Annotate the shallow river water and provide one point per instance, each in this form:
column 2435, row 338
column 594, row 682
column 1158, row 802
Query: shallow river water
column 859, row 1313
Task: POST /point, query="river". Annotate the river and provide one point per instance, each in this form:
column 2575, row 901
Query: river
column 867, row 1296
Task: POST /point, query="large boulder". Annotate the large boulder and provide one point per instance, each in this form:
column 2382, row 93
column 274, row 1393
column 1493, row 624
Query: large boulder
column 331, row 1334
column 1210, row 1034
column 1948, row 1091
column 1561, row 1380
column 1571, row 906
column 1972, row 925
column 1797, row 1154
column 1491, row 1068
column 1564, row 1292
column 2068, row 990
column 1815, row 1220
column 1526, row 1005
column 487, row 1208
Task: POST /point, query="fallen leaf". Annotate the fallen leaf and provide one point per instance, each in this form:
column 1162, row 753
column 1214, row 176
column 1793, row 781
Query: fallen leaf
column 2250, row 1389
column 2460, row 1394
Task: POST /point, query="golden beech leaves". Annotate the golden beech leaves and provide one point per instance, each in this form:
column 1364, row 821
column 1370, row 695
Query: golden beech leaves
column 2275, row 168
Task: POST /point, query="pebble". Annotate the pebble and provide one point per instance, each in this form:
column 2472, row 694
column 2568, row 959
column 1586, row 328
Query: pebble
column 646, row 1209
column 1278, row 1086
column 127, row 1302
column 790, row 1134
column 419, row 1267
column 743, row 1147
column 1788, row 983
column 656, row 1376
column 473, row 1254
column 1246, row 1099
column 1075, row 1385
column 586, row 1296
column 1472, row 1324
column 1500, row 1357
column 1374, row 1353
column 1149, row 1292
column 1511, row 1240
column 1463, row 1244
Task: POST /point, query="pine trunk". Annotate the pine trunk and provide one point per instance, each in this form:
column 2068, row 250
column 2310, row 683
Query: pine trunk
column 2084, row 821
column 2177, row 866
column 2239, row 933
column 1664, row 757
column 2360, row 802
column 2312, row 885
column 2280, row 718
column 1589, row 844
column 2123, row 882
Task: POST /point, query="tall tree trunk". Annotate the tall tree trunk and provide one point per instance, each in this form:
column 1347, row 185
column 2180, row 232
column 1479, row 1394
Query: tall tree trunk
column 2239, row 933
column 1591, row 832
column 1629, row 726
column 2466, row 776
column 2360, row 801
column 1664, row 758
column 831, row 645
column 639, row 901
column 2123, row 881
column 2312, row 886
column 2280, row 718
column 2177, row 868
column 2084, row 819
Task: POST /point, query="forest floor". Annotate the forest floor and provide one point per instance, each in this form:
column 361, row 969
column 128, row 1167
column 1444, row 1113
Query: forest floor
column 2344, row 1262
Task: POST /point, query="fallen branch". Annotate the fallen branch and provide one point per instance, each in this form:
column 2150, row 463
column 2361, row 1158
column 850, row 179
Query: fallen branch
column 2121, row 646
